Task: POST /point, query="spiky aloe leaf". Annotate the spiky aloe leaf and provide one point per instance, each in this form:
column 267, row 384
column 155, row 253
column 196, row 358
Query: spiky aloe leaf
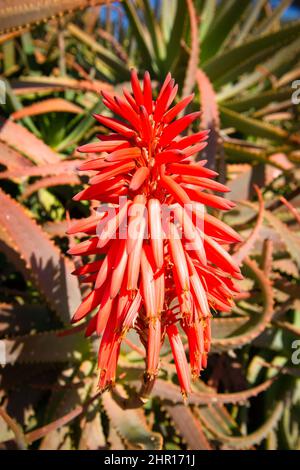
column 171, row 393
column 155, row 32
column 48, row 182
column 18, row 14
column 257, row 323
column 245, row 154
column 45, row 347
column 27, row 143
column 108, row 57
column 31, row 249
column 16, row 429
column 22, row 319
column 245, row 442
column 217, row 417
column 245, row 247
column 290, row 239
column 284, row 58
column 190, row 75
column 32, row 84
column 251, row 19
column 227, row 16
column 257, row 100
column 222, row 63
column 225, row 327
column 51, row 105
column 131, row 425
column 253, row 126
column 140, row 32
column 207, row 16
column 76, row 392
column 188, row 426
column 175, row 37
column 210, row 118
column 64, row 167
column 268, row 23
column 92, row 434
column 14, row 161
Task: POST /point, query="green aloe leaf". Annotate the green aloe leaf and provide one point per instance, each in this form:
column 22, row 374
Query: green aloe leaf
column 291, row 240
column 141, row 34
column 173, row 45
column 108, row 57
column 131, row 425
column 246, row 65
column 252, row 126
column 27, row 143
column 257, row 323
column 189, row 427
column 222, row 63
column 207, row 14
column 267, row 24
column 62, row 402
column 254, row 12
column 44, row 347
column 277, row 64
column 258, row 100
column 242, row 154
column 245, row 442
column 228, row 15
column 217, row 417
column 154, row 31
column 17, row 105
column 80, row 128
column 171, row 393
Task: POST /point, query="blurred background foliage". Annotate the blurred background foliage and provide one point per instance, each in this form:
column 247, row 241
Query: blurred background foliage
column 242, row 60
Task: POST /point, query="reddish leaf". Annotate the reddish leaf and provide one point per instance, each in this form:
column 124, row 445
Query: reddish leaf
column 58, row 180
column 26, row 143
column 31, row 248
column 57, row 105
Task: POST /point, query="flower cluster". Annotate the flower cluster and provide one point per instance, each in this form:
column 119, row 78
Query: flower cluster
column 160, row 272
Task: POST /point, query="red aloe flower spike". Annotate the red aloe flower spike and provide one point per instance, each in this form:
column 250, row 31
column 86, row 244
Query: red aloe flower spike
column 164, row 258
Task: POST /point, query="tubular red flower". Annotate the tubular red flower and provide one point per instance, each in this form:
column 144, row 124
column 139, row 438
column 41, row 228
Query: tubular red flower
column 163, row 263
